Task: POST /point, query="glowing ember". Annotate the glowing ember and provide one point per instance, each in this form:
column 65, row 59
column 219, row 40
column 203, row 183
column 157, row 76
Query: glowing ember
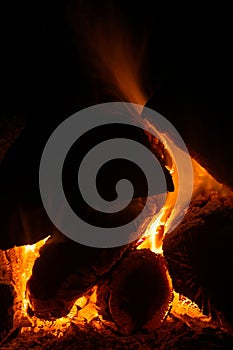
column 118, row 65
column 184, row 308
column 21, row 261
column 83, row 311
column 157, row 228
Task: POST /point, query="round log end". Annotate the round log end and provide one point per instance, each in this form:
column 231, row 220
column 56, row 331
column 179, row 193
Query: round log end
column 141, row 292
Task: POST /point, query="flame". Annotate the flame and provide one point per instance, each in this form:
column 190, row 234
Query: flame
column 115, row 59
column 21, row 260
column 203, row 183
column 88, row 312
column 184, row 308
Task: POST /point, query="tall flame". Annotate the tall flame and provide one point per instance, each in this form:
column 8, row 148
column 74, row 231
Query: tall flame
column 114, row 55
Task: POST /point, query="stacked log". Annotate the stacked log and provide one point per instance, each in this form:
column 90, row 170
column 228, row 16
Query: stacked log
column 138, row 294
column 199, row 256
column 6, row 308
column 63, row 272
column 23, row 217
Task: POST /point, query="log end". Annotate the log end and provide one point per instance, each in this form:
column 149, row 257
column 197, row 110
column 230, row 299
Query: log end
column 140, row 292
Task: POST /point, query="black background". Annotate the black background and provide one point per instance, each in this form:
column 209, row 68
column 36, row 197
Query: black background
column 45, row 75
column 189, row 51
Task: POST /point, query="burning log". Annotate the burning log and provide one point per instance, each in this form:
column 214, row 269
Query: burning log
column 23, row 217
column 199, row 256
column 63, row 272
column 138, row 293
column 6, row 308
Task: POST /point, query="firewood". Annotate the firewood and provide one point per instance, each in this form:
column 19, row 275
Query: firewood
column 138, row 293
column 6, row 308
column 63, row 272
column 23, row 217
column 199, row 256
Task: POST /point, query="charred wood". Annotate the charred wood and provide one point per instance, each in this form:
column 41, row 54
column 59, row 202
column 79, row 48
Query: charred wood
column 199, row 256
column 63, row 272
column 137, row 295
column 6, row 308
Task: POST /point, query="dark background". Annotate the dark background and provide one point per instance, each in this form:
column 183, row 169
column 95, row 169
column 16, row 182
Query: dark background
column 45, row 76
column 189, row 51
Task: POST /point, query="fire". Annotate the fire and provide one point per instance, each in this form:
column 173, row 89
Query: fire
column 19, row 262
column 184, row 308
column 118, row 65
column 157, row 228
column 115, row 59
column 204, row 182
column 88, row 313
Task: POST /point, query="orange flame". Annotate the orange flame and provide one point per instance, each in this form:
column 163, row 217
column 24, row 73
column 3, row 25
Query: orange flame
column 88, row 313
column 204, row 183
column 116, row 60
column 114, row 57
column 19, row 262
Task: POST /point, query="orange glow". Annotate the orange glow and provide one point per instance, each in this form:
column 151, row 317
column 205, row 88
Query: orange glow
column 203, row 183
column 114, row 57
column 87, row 313
column 121, row 70
column 117, row 63
column 21, row 261
column 184, row 308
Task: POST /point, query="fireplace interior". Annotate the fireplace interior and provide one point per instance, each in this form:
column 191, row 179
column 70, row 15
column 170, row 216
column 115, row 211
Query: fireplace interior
column 162, row 291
